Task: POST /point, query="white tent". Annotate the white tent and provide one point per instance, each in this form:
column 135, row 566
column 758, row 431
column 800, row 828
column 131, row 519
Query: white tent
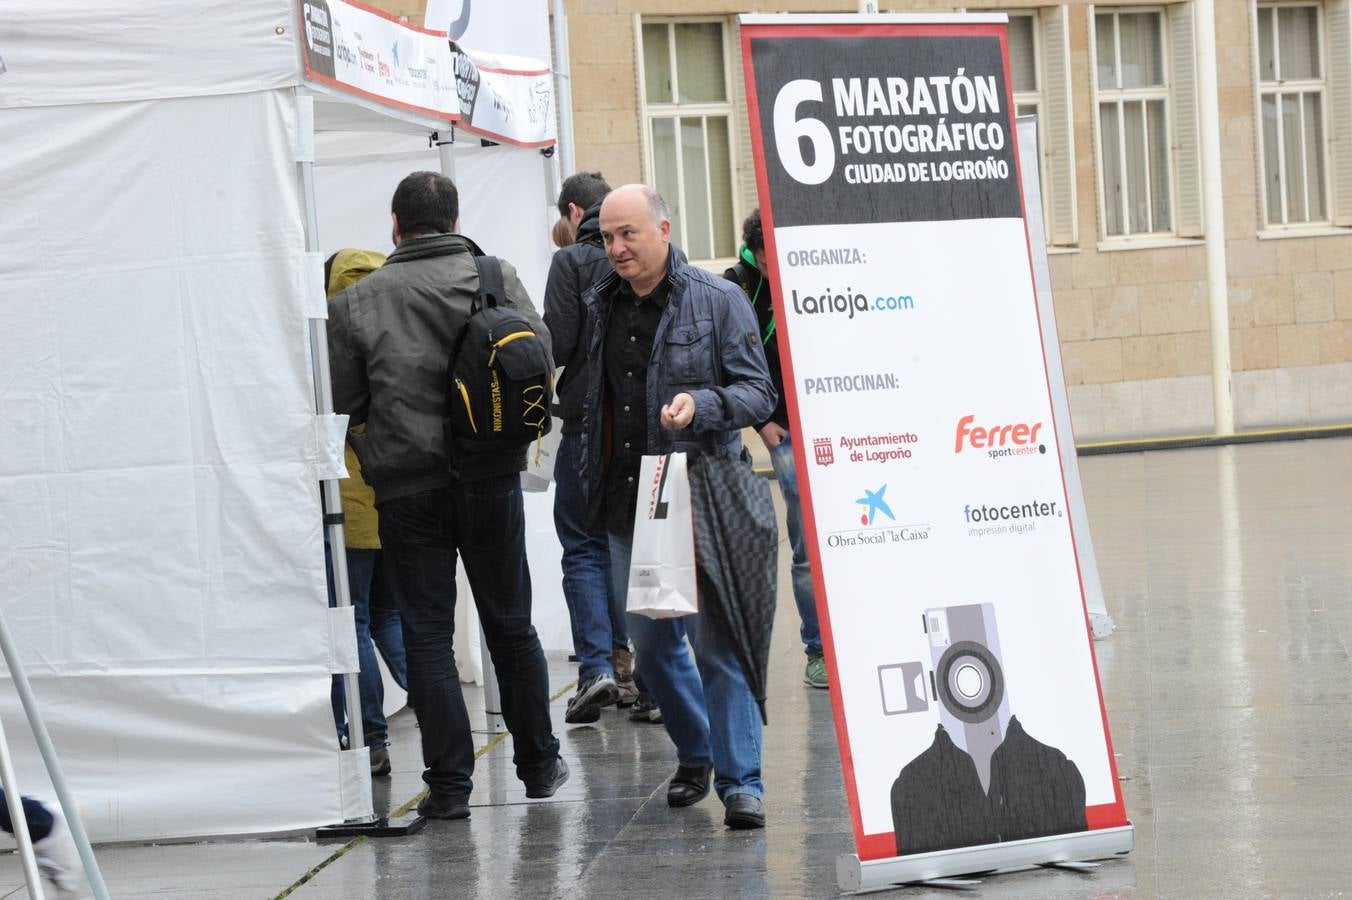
column 161, row 554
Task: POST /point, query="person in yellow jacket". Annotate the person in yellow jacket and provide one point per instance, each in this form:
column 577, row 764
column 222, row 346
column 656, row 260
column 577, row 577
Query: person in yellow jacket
column 375, row 600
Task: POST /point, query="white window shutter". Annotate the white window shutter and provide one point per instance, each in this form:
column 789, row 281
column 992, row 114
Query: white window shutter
column 745, row 174
column 1340, row 106
column 1183, row 98
column 1058, row 128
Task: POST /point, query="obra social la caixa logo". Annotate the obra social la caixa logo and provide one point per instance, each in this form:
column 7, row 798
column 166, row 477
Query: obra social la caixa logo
column 999, row 441
column 878, row 524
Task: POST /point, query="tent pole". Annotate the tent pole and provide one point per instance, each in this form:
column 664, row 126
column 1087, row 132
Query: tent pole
column 44, row 742
column 492, row 700
column 19, row 822
column 564, row 70
column 333, row 504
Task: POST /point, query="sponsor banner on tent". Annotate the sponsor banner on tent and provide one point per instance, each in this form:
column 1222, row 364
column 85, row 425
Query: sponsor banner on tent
column 366, row 52
column 963, row 679
column 503, row 96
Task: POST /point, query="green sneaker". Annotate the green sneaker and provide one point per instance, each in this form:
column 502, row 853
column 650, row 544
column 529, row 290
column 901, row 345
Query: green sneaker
column 815, row 673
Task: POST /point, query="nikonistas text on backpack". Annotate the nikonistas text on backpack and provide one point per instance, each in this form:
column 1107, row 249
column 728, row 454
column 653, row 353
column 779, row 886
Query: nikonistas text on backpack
column 501, row 377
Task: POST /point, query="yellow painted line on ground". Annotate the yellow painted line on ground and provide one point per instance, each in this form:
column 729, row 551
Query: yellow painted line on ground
column 403, row 810
column 1268, row 432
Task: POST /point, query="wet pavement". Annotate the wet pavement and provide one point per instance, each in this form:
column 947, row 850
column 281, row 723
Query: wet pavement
column 1228, row 687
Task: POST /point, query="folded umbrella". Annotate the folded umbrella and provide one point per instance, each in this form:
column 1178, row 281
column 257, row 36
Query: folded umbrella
column 736, row 541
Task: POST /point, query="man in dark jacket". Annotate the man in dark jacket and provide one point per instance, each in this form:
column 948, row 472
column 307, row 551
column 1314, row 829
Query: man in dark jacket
column 674, row 363
column 389, row 347
column 749, row 273
column 600, row 639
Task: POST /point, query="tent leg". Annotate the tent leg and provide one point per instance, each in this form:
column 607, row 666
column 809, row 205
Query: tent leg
column 49, row 758
column 333, row 520
column 14, row 802
column 492, row 699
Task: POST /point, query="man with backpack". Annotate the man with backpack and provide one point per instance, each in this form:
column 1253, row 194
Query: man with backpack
column 443, row 450
column 600, row 638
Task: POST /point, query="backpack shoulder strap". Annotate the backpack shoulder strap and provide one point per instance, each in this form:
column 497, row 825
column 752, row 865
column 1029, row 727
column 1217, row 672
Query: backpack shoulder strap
column 491, row 289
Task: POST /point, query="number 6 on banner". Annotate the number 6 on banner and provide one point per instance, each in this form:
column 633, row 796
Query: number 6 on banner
column 789, row 131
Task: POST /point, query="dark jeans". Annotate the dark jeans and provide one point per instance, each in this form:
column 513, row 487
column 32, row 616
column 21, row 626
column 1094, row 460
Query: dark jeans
column 420, row 535
column 597, row 620
column 38, row 817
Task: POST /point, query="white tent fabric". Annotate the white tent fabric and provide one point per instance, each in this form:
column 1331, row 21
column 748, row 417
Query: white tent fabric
column 161, row 557
column 162, row 563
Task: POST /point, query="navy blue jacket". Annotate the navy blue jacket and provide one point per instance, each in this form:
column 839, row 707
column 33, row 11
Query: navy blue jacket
column 707, row 344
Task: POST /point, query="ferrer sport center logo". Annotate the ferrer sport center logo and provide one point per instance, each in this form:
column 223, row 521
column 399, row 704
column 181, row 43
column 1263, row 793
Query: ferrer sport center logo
column 998, row 441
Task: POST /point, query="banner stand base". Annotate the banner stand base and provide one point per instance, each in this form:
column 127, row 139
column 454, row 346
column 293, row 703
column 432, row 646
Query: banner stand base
column 852, row 874
column 382, row 827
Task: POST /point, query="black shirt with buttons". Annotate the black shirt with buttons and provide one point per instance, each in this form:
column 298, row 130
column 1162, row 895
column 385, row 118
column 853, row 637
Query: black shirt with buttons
column 628, row 348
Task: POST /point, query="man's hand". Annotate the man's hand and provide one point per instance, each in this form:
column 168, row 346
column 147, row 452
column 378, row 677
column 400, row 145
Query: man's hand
column 773, row 434
column 679, row 413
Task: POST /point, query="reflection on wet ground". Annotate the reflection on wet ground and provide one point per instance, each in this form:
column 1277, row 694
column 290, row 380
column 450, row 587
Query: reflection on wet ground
column 1228, row 687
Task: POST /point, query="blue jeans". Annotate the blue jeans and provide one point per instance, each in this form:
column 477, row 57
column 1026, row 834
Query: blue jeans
column 781, row 457
column 372, row 595
column 597, row 618
column 707, row 707
column 421, row 535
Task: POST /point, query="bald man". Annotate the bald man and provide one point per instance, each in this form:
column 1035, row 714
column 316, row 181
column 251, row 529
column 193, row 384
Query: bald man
column 674, row 364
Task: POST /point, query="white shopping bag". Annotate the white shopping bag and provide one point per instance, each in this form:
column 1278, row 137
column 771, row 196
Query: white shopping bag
column 540, row 456
column 662, row 566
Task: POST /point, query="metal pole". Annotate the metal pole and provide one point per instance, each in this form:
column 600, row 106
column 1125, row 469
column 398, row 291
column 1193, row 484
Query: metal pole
column 868, row 7
column 319, row 360
column 1213, row 213
column 19, row 821
column 564, row 70
column 49, row 758
column 492, row 701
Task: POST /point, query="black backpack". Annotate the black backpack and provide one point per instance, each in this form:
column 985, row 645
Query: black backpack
column 501, row 377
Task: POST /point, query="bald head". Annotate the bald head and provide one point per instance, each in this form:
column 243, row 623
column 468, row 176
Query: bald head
column 636, row 227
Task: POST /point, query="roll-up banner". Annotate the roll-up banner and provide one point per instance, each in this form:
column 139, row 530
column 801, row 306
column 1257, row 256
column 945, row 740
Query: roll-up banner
column 965, row 692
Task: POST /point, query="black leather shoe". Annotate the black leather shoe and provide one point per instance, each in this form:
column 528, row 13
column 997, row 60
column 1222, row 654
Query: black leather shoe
column 744, row 811
column 434, row 806
column 689, row 785
column 543, row 789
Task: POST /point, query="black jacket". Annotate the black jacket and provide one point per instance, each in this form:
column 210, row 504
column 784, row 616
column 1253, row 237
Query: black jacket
column 757, row 289
column 390, row 339
column 705, row 346
column 574, row 269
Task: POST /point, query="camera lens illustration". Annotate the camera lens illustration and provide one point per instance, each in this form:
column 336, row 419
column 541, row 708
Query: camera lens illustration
column 970, row 681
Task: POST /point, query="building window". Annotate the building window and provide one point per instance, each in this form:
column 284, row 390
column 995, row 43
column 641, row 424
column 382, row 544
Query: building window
column 1039, row 65
column 688, row 131
column 1293, row 106
column 1025, row 69
column 1132, row 100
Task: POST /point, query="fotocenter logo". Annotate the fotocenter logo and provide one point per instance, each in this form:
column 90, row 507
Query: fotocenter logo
column 990, row 520
column 864, row 448
column 999, row 441
column 877, row 524
column 849, row 304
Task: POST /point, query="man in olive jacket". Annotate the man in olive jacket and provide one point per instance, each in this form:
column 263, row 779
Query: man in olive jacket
column 390, row 337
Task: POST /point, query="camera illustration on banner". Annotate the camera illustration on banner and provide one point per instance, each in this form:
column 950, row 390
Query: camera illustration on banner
column 983, row 779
